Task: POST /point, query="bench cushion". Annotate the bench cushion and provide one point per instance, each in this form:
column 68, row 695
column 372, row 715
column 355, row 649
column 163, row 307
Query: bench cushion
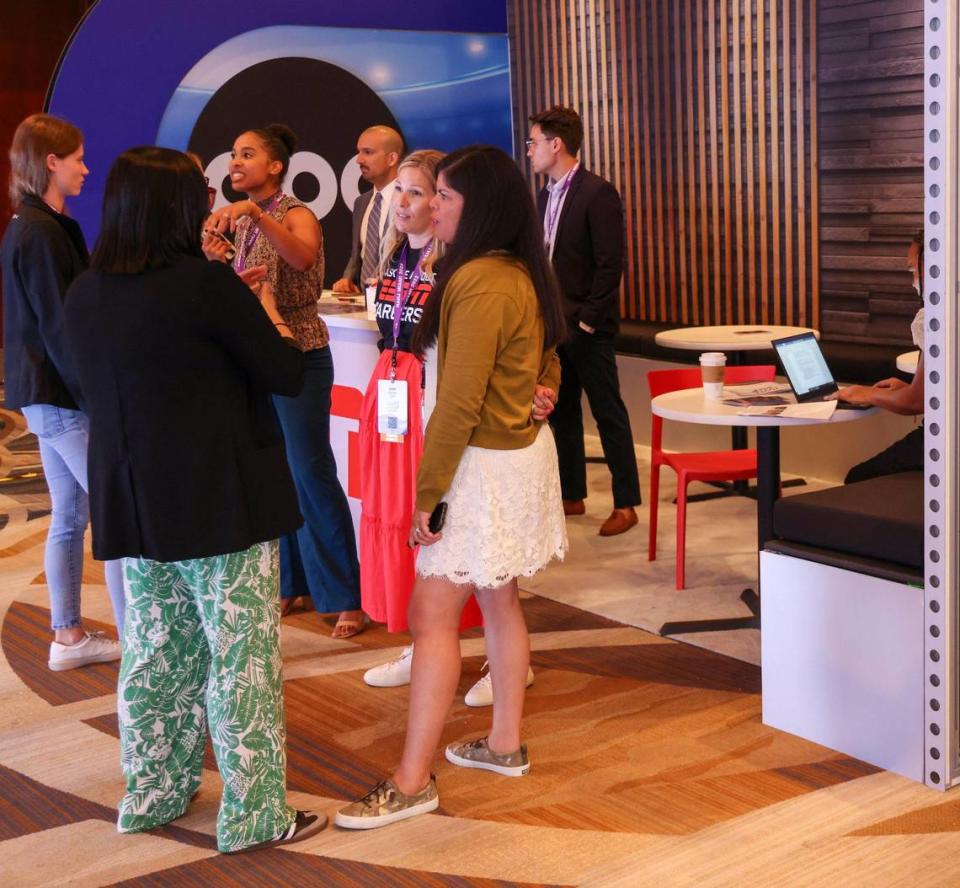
column 880, row 519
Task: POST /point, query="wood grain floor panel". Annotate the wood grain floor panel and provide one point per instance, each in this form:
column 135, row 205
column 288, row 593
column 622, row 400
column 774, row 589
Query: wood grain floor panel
column 935, row 819
column 89, row 853
column 679, row 665
column 286, row 868
column 29, row 807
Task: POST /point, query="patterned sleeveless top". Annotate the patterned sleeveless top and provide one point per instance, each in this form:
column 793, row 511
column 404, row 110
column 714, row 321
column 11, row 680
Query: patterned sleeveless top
column 297, row 292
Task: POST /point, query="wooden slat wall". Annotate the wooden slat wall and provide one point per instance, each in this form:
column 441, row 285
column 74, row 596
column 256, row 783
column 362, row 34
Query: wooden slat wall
column 699, row 112
column 871, row 165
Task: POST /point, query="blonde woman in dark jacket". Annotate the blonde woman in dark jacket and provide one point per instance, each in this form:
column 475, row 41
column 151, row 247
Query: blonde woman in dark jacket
column 43, row 250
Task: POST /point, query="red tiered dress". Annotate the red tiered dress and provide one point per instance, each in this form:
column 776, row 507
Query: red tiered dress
column 388, row 472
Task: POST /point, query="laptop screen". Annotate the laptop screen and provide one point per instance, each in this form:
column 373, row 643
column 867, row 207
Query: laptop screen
column 804, row 364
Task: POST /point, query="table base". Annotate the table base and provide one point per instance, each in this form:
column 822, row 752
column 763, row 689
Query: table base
column 684, row 627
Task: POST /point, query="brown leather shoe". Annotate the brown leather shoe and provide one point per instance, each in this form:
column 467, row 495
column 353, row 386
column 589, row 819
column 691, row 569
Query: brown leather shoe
column 620, row 520
column 574, row 507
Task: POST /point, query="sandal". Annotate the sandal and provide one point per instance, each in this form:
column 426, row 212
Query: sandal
column 348, row 628
column 304, row 825
column 287, row 604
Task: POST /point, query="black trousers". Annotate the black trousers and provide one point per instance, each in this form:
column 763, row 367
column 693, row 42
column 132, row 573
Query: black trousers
column 906, row 455
column 588, row 363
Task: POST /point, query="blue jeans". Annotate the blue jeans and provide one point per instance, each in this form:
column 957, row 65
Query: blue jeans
column 320, row 559
column 64, row 435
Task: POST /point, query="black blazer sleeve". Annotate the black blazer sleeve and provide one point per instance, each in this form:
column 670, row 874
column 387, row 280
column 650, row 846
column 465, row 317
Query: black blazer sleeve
column 238, row 322
column 605, row 222
column 42, row 263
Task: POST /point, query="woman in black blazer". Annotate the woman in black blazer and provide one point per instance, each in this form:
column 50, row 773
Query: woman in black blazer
column 189, row 484
column 43, row 250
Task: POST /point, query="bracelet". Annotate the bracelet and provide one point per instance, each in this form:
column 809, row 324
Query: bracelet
column 281, row 324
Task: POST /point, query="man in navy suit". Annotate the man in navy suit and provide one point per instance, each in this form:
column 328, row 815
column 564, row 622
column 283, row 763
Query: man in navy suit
column 379, row 152
column 583, row 232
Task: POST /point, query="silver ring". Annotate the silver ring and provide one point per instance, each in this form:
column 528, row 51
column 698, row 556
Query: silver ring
column 416, row 531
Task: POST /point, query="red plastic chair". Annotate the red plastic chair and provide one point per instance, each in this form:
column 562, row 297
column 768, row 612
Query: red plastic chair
column 717, row 465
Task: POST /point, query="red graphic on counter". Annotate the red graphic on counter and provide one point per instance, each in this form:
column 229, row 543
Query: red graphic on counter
column 345, row 402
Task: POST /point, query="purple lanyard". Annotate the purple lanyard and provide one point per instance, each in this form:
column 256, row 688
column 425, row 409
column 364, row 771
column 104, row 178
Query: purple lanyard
column 241, row 261
column 403, row 294
column 555, row 205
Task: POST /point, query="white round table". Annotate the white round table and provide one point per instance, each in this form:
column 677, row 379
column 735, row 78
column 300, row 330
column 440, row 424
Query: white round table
column 730, row 337
column 733, row 338
column 907, row 362
column 689, row 405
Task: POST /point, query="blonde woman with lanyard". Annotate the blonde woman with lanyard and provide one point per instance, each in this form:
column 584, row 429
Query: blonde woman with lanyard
column 391, row 419
column 277, row 230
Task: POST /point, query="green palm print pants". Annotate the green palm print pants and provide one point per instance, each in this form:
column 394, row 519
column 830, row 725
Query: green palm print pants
column 202, row 645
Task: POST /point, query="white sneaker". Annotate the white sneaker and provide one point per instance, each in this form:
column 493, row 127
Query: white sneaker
column 95, row 648
column 394, row 673
column 481, row 694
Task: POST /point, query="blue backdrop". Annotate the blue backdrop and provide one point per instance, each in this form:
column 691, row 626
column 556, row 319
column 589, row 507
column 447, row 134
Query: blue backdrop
column 131, row 76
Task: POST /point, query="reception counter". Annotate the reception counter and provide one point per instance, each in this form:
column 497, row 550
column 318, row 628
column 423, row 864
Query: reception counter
column 353, row 344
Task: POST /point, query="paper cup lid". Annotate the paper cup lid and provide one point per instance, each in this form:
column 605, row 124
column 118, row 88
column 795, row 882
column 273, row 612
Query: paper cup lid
column 713, row 358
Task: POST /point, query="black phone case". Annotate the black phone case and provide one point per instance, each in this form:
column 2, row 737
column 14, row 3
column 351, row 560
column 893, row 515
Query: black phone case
column 437, row 517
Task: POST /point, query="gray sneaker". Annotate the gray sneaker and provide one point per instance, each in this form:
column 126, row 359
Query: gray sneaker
column 385, row 803
column 477, row 754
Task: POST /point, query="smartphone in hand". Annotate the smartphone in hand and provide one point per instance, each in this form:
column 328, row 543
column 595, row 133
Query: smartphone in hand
column 437, row 518
column 227, row 238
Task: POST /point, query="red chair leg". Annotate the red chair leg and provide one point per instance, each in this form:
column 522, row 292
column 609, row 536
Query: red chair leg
column 681, row 528
column 654, row 498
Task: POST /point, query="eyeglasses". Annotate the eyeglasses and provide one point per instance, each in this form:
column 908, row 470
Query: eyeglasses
column 530, row 142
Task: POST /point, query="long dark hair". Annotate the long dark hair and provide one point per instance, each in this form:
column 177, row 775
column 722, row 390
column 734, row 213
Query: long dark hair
column 498, row 214
column 154, row 204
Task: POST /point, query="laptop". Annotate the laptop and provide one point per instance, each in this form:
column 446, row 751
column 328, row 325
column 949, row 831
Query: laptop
column 807, row 371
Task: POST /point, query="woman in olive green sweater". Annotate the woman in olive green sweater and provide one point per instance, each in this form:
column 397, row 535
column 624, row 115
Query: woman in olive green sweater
column 496, row 318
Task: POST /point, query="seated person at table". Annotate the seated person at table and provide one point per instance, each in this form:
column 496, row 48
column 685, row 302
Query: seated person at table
column 897, row 396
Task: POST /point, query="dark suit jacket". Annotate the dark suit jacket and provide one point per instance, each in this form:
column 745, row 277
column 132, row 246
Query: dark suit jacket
column 588, row 251
column 42, row 252
column 186, row 456
column 354, row 264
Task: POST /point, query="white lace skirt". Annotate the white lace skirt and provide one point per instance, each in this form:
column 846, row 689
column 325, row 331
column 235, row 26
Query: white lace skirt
column 504, row 516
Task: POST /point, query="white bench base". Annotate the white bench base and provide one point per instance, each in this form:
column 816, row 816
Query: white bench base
column 842, row 659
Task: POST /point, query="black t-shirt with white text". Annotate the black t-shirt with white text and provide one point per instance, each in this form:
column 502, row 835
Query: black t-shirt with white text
column 386, row 300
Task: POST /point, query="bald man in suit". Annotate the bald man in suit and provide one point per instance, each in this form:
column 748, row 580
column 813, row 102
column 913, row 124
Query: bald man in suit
column 379, row 152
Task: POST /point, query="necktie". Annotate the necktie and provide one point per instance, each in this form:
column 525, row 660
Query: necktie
column 371, row 246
